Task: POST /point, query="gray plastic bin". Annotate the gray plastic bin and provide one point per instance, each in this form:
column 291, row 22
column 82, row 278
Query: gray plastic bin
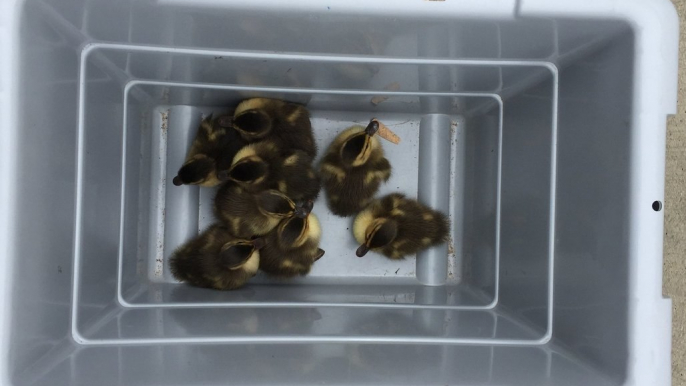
column 538, row 125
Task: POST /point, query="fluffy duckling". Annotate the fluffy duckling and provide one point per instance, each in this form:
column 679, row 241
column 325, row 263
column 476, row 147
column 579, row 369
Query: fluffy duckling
column 216, row 259
column 261, row 166
column 247, row 215
column 293, row 246
column 213, row 149
column 353, row 169
column 396, row 226
column 286, row 124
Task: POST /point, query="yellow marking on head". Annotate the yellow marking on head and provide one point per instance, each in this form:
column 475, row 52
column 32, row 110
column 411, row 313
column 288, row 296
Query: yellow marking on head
column 253, row 263
column 396, row 254
column 294, row 115
column 334, row 171
column 283, row 187
column 343, row 137
column 314, row 231
column 363, row 220
column 251, row 104
column 246, row 152
column 292, row 160
column 287, row 264
column 310, row 174
column 426, row 241
column 397, row 212
column 428, row 216
column 210, row 181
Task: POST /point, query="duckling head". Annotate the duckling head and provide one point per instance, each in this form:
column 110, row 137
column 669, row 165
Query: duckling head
column 197, row 171
column 275, row 204
column 379, row 233
column 296, row 231
column 253, row 124
column 239, row 254
column 358, row 148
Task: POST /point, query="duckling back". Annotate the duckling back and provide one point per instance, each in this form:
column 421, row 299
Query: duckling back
column 418, row 226
column 286, row 123
column 264, row 165
column 238, row 210
column 349, row 188
column 198, row 262
column 213, row 149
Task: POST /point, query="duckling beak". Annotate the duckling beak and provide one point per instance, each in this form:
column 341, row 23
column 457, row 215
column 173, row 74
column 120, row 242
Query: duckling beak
column 259, row 243
column 372, row 127
column 177, row 181
column 302, row 211
column 320, row 253
column 362, row 250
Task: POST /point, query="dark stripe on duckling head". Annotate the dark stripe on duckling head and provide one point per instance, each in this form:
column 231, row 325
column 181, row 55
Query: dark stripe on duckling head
column 275, row 202
column 194, row 172
column 248, row 171
column 354, row 148
column 383, row 234
column 236, row 255
column 253, row 123
column 292, row 231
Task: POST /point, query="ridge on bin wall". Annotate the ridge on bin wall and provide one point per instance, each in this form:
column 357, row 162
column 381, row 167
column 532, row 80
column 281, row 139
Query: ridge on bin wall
column 656, row 29
column 8, row 161
column 492, row 9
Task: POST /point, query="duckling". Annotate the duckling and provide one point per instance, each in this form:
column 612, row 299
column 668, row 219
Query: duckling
column 213, row 149
column 285, row 123
column 261, row 166
column 396, row 226
column 216, row 259
column 353, row 169
column 293, row 246
column 247, row 215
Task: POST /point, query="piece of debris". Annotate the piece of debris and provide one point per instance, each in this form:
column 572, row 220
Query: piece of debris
column 386, row 133
column 395, row 86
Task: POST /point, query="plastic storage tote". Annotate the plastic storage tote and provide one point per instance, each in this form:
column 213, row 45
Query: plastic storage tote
column 538, row 125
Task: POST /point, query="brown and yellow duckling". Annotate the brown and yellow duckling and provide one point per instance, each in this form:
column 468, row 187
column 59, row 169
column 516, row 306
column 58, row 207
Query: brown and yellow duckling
column 247, row 215
column 396, row 226
column 216, row 259
column 353, row 169
column 293, row 246
column 261, row 166
column 213, row 149
column 285, row 123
